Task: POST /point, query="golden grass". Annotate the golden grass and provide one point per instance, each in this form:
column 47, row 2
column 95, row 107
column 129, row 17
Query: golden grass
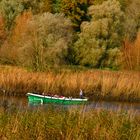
column 101, row 84
column 71, row 124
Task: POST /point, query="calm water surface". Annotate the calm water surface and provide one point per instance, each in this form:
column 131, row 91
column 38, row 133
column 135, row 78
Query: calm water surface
column 22, row 103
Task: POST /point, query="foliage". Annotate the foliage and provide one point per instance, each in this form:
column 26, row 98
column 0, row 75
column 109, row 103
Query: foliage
column 37, row 6
column 97, row 2
column 56, row 6
column 76, row 10
column 2, row 30
column 21, row 23
column 124, row 4
column 131, row 54
column 10, row 9
column 95, row 43
column 9, row 49
column 42, row 42
column 100, row 39
column 132, row 20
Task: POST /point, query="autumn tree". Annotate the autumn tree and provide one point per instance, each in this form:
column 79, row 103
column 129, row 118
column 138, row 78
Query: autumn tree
column 38, row 6
column 56, row 6
column 21, row 23
column 131, row 54
column 131, row 47
column 9, row 52
column 97, row 2
column 2, row 30
column 43, row 41
column 100, row 39
column 76, row 10
column 9, row 9
column 123, row 3
column 132, row 20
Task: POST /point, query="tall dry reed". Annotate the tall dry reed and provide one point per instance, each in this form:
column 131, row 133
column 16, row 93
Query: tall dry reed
column 123, row 85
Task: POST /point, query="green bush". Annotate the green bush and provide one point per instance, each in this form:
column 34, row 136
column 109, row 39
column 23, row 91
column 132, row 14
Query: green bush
column 100, row 39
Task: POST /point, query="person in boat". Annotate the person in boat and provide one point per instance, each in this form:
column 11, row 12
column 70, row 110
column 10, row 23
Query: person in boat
column 56, row 96
column 81, row 94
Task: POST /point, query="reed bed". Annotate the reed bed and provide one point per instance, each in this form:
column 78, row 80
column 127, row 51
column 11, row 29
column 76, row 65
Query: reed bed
column 97, row 84
column 68, row 124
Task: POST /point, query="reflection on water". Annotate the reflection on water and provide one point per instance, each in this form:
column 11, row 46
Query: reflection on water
column 22, row 103
column 115, row 106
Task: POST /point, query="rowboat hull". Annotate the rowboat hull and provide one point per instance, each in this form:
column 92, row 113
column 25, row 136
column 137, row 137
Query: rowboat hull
column 40, row 99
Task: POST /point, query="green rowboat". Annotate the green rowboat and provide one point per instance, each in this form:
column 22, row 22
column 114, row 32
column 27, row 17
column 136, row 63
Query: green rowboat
column 41, row 99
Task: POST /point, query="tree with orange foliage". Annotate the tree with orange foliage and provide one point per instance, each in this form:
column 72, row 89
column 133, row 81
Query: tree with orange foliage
column 9, row 51
column 40, row 40
column 2, row 31
column 131, row 54
column 21, row 22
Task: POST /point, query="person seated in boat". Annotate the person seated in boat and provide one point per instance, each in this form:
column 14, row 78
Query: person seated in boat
column 81, row 94
column 70, row 97
column 56, row 96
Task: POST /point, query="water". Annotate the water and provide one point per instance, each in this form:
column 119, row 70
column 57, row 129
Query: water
column 22, row 103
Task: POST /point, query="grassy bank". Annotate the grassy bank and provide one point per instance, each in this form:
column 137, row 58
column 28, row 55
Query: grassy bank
column 97, row 84
column 72, row 124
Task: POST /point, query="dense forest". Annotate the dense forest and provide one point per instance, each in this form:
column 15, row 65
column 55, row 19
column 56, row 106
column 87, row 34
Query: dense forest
column 39, row 34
